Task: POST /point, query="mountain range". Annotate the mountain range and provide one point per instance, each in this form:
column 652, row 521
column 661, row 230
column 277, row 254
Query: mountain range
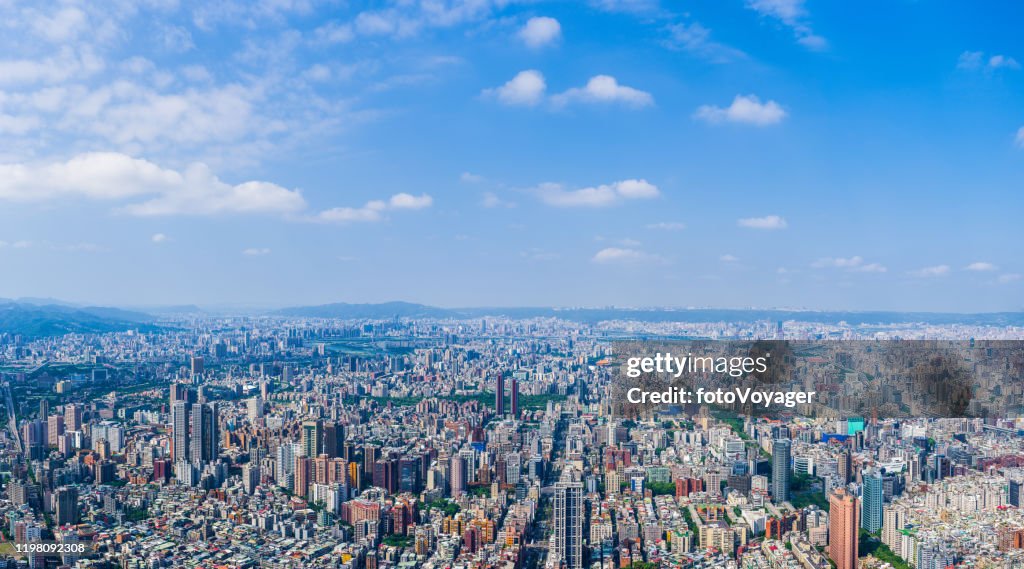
column 33, row 318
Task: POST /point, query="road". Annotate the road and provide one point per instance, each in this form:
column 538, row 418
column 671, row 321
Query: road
column 12, row 420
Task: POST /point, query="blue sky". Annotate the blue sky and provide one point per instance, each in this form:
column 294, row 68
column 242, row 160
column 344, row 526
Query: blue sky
column 768, row 153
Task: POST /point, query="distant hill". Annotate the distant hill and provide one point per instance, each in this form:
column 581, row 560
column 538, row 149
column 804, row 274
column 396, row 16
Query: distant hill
column 41, row 320
column 388, row 310
column 384, row 310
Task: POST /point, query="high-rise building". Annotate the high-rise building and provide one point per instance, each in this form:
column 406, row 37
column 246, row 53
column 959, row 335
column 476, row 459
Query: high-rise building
column 303, row 475
column 845, row 467
column 1014, row 497
column 54, row 429
column 197, row 367
column 179, row 430
column 515, row 398
column 566, row 547
column 781, row 470
column 65, row 505
column 250, row 477
column 44, row 409
column 312, row 438
column 205, row 443
column 73, row 417
column 894, row 519
column 844, row 529
column 459, row 476
column 499, row 395
column 285, row 464
column 872, row 502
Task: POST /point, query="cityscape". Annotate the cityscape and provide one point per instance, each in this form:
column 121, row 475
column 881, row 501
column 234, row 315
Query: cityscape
column 511, row 284
column 266, row 441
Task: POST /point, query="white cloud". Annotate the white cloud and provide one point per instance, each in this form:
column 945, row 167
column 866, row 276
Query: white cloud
column 746, row 109
column 727, row 258
column 256, row 251
column 334, row 32
column 667, row 226
column 159, row 238
column 930, row 272
column 766, row 222
column 492, row 200
column 981, row 266
column 696, row 39
column 471, row 178
column 975, row 60
column 373, row 210
column 526, row 88
column 64, row 65
column 409, row 201
column 623, row 255
column 1020, row 137
column 793, row 14
column 1008, row 278
column 854, row 264
column 110, row 176
column 63, row 26
column 1000, row 61
column 596, row 196
column 540, row 31
column 604, row 89
column 634, row 6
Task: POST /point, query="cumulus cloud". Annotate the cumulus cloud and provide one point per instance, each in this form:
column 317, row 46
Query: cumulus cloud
column 727, row 258
column 409, row 201
column 374, row 210
column 159, row 238
column 111, row 176
column 854, row 264
column 745, row 109
column 931, row 272
column 623, row 255
column 604, row 89
column 525, row 89
column 981, row 266
column 766, row 222
column 792, row 14
column 596, row 196
column 977, row 61
column 1008, row 278
column 256, row 251
column 471, row 178
column 528, row 88
column 540, row 31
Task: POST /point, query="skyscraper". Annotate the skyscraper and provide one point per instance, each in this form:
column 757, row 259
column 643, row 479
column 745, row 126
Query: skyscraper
column 566, row 547
column 515, row 398
column 781, row 470
column 845, row 464
column 65, row 502
column 312, row 438
column 844, row 527
column 459, row 476
column 73, row 417
column 872, row 496
column 179, row 430
column 205, row 440
column 499, row 395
